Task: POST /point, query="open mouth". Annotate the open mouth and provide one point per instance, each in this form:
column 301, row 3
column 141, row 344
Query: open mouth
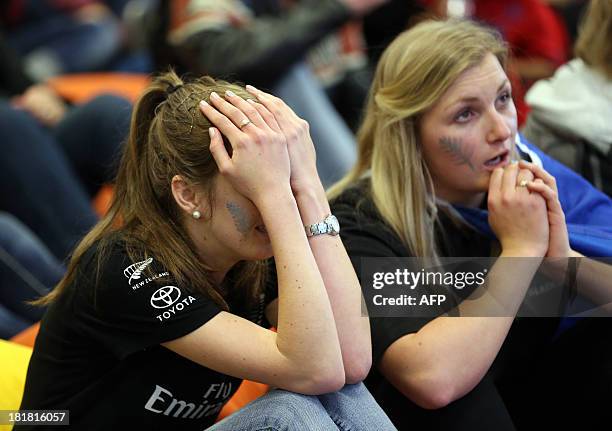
column 497, row 161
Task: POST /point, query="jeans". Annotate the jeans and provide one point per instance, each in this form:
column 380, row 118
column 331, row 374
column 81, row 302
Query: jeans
column 350, row 409
column 48, row 176
column 27, row 271
column 334, row 142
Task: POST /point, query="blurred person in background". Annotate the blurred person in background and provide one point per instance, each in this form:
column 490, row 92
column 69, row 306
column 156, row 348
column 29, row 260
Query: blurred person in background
column 537, row 37
column 270, row 43
column 571, row 113
column 55, row 156
column 55, row 37
column 27, row 270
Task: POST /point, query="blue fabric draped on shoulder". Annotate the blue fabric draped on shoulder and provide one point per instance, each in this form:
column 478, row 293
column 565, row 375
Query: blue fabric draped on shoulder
column 588, row 211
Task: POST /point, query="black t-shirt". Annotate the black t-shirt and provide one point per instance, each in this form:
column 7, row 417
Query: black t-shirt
column 98, row 352
column 365, row 235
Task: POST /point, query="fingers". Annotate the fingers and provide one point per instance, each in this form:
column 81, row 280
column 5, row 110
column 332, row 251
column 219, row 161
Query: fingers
column 509, row 179
column 495, row 182
column 225, row 126
column 539, row 172
column 239, row 118
column 548, row 193
column 217, row 148
column 524, row 176
column 266, row 115
column 247, row 108
column 282, row 113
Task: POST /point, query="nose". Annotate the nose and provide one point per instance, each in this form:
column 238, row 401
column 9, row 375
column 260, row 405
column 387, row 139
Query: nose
column 499, row 130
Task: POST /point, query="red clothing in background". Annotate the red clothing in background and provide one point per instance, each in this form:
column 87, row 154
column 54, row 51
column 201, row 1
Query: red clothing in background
column 532, row 29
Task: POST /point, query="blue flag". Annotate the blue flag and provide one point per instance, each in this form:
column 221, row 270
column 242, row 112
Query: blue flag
column 588, row 211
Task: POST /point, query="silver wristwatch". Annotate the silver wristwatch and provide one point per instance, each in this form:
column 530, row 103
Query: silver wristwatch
column 329, row 226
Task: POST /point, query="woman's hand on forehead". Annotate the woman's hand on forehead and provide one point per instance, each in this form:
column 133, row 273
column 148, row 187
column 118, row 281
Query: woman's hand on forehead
column 259, row 163
column 301, row 149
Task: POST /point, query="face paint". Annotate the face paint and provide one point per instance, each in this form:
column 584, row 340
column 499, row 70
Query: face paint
column 459, row 154
column 240, row 217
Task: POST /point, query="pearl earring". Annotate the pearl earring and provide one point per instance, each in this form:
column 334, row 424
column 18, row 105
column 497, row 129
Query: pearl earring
column 196, row 214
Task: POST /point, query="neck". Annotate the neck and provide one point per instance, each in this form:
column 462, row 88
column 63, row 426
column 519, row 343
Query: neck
column 211, row 252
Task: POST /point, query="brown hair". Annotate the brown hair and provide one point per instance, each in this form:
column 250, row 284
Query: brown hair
column 595, row 32
column 413, row 73
column 168, row 137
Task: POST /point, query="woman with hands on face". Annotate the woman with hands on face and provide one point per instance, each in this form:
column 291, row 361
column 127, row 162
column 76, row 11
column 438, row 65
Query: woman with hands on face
column 174, row 279
column 439, row 141
column 270, row 116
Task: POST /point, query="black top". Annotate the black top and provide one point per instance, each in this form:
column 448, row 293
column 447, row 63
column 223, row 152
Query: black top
column 365, row 234
column 98, row 351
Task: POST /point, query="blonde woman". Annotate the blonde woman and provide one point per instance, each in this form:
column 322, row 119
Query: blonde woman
column 436, row 152
column 161, row 313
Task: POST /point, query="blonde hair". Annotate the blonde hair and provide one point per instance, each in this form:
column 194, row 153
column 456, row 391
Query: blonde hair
column 168, row 137
column 594, row 35
column 413, row 73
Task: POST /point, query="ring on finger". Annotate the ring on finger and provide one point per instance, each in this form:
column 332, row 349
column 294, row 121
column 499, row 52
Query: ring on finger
column 523, row 183
column 244, row 123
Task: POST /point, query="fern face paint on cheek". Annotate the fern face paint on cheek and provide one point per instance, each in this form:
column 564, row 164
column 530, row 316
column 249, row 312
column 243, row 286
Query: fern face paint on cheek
column 460, row 153
column 240, row 217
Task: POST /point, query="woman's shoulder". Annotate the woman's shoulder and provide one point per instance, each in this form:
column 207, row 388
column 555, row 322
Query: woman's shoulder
column 114, row 261
column 104, row 252
column 363, row 229
column 356, row 200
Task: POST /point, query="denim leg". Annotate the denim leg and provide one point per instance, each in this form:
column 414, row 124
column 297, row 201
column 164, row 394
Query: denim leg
column 92, row 136
column 279, row 410
column 27, row 269
column 354, row 409
column 38, row 185
column 334, row 142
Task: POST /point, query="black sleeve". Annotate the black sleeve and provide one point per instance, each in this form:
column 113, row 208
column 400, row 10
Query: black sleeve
column 133, row 305
column 263, row 49
column 367, row 237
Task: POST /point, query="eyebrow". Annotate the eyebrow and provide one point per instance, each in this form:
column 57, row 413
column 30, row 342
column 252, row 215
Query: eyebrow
column 472, row 98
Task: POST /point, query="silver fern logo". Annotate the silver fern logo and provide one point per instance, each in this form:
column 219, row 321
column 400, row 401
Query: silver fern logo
column 134, row 271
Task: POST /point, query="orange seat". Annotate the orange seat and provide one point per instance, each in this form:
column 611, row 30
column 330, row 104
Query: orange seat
column 27, row 337
column 247, row 392
column 102, row 200
column 81, row 87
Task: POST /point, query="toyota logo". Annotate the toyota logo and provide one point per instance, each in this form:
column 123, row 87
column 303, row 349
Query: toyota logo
column 165, row 296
